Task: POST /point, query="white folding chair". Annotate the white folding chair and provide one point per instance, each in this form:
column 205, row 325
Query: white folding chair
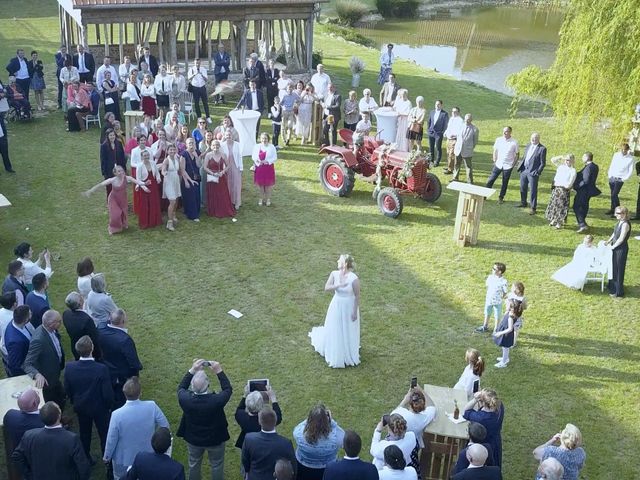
column 597, row 272
column 93, row 117
column 188, row 106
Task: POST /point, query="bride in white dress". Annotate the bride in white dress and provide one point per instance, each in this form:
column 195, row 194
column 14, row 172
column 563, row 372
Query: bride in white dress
column 338, row 341
column 574, row 273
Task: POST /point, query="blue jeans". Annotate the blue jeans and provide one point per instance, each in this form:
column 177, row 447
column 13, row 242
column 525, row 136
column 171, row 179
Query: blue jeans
column 216, row 460
column 495, row 173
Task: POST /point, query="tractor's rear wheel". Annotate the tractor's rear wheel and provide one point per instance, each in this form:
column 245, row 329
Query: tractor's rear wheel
column 390, row 202
column 433, row 188
column 336, row 178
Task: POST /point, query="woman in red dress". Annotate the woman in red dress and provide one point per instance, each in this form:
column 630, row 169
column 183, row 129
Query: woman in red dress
column 148, row 94
column 117, row 201
column 218, row 199
column 149, row 213
column 264, row 156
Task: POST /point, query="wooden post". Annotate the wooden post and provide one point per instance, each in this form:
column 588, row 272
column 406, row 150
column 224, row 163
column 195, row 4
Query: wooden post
column 242, row 56
column 106, row 39
column 309, row 42
column 160, row 41
column 209, row 27
column 120, row 44
column 84, row 31
column 173, row 50
column 185, row 31
column 198, row 27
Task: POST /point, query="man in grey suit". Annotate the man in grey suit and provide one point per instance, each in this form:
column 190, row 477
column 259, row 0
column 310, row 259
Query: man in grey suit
column 389, row 92
column 531, row 167
column 51, row 452
column 466, row 141
column 331, row 104
column 261, row 450
column 45, row 359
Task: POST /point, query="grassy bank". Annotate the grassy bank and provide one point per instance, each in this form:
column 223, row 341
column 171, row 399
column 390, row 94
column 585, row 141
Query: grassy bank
column 576, row 360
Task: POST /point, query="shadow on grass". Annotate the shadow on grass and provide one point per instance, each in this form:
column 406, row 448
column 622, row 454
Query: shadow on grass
column 586, row 347
column 535, row 249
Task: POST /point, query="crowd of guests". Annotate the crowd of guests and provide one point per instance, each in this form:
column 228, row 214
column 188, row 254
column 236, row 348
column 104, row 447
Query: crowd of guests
column 103, row 385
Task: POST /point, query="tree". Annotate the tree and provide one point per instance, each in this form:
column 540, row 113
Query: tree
column 596, row 74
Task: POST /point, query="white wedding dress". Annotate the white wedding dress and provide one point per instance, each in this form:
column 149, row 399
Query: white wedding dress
column 574, row 273
column 338, row 341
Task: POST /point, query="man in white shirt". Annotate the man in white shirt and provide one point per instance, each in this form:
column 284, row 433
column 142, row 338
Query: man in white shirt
column 619, row 172
column 451, row 134
column 124, row 70
column 8, row 303
column 85, row 64
column 505, row 155
column 105, row 67
column 197, row 78
column 386, row 64
column 320, row 82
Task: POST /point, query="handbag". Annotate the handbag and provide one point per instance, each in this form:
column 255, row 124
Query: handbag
column 415, row 127
column 189, row 88
column 212, row 178
column 108, row 101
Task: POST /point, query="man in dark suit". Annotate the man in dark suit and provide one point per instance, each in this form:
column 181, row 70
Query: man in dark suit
column 222, row 62
column 252, row 72
column 88, row 385
column 20, row 68
column 61, row 57
column 37, row 299
column 261, row 450
column 272, row 74
column 157, row 465
column 438, row 121
column 351, row 466
column 79, row 323
column 332, row 111
column 17, row 422
column 13, row 282
column 252, row 99
column 389, row 92
column 585, row 187
column 17, row 337
column 477, row 434
column 51, row 452
column 531, row 167
column 477, row 456
column 85, row 64
column 118, row 354
column 45, row 359
column 150, row 60
column 204, row 424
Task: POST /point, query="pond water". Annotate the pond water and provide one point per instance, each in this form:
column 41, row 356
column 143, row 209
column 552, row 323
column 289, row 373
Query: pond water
column 483, row 45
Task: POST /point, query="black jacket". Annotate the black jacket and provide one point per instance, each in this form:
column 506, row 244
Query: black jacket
column 203, row 422
column 88, row 385
column 119, row 354
column 586, row 180
column 78, row 323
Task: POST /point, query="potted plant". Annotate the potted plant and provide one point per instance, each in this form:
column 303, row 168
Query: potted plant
column 356, row 65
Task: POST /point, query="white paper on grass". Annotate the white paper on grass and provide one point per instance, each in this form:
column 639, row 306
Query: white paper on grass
column 234, row 313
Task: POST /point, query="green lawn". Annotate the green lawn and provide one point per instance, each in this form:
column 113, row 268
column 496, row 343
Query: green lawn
column 577, row 360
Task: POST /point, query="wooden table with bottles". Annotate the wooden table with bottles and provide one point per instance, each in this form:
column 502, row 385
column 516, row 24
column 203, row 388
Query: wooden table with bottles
column 443, row 439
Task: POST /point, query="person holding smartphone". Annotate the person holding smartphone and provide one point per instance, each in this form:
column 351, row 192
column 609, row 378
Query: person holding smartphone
column 247, row 411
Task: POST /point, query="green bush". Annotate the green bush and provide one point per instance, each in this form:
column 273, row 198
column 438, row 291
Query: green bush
column 350, row 35
column 316, row 58
column 350, row 11
column 397, row 8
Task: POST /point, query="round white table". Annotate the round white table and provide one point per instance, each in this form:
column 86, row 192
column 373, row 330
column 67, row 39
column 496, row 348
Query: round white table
column 386, row 123
column 245, row 123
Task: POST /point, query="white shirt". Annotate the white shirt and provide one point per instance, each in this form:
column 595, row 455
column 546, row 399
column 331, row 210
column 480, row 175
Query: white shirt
column 454, row 127
column 132, row 92
column 497, row 288
column 621, row 166
column 507, row 151
column 100, row 75
column 178, row 83
column 403, row 107
column 320, row 82
column 198, row 76
column 466, row 381
column 406, row 444
column 84, row 285
column 23, row 73
column 142, row 173
column 386, row 59
column 565, row 176
column 163, row 84
column 136, row 156
column 56, row 342
column 124, row 71
column 6, row 317
column 365, row 106
column 148, row 90
column 69, row 75
column 82, row 68
column 408, row 473
column 327, row 101
column 31, row 269
column 254, row 100
column 417, row 422
column 4, row 104
column 271, row 157
column 389, row 97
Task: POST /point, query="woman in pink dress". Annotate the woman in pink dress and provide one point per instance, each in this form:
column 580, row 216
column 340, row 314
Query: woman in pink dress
column 117, row 201
column 264, row 156
column 218, row 199
column 231, row 150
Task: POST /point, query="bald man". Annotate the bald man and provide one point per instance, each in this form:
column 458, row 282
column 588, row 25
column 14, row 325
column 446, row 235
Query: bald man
column 17, row 422
column 204, row 424
column 45, row 359
column 477, row 456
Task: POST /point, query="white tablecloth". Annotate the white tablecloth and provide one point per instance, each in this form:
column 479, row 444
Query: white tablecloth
column 387, row 123
column 245, row 123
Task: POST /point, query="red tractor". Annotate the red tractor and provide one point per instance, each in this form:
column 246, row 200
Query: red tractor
column 406, row 172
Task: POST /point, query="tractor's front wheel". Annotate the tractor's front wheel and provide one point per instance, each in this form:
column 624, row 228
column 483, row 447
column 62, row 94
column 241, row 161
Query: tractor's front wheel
column 335, row 177
column 390, row 202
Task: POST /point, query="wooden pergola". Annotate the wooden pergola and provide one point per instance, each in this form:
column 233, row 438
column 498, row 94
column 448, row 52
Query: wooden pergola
column 193, row 28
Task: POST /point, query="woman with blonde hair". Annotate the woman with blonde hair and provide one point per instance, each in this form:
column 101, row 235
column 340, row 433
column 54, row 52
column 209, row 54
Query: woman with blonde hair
column 569, row 452
column 367, row 103
column 562, row 185
column 415, row 123
column 486, row 408
column 469, row 381
column 264, row 155
column 338, row 341
column 397, row 435
column 318, row 439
